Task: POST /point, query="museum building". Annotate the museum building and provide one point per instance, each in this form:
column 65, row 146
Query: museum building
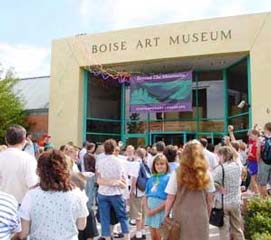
column 92, row 81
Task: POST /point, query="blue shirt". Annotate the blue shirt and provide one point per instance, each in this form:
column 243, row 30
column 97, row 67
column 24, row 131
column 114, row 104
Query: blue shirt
column 156, row 186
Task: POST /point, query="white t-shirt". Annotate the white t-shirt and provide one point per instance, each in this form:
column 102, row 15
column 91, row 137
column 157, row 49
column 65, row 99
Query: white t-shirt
column 131, row 169
column 172, row 186
column 82, row 153
column 99, row 157
column 29, row 148
column 149, row 160
column 239, row 162
column 110, row 167
column 211, row 159
column 53, row 215
column 17, row 172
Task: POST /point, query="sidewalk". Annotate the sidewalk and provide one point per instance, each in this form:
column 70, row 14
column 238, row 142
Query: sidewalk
column 214, row 235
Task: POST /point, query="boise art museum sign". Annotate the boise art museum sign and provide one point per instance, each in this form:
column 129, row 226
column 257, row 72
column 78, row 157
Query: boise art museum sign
column 154, row 42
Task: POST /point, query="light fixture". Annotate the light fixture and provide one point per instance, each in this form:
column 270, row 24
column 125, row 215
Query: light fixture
column 243, row 104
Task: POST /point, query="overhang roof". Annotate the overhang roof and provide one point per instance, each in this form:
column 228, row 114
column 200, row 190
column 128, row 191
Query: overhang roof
column 34, row 91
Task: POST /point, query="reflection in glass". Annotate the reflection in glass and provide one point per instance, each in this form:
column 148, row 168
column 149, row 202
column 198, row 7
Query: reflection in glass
column 240, row 123
column 210, row 94
column 104, row 98
column 103, row 126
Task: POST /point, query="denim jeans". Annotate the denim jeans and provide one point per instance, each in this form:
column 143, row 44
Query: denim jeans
column 118, row 203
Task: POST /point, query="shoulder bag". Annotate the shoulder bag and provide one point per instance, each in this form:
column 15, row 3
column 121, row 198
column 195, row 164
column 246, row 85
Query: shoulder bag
column 217, row 214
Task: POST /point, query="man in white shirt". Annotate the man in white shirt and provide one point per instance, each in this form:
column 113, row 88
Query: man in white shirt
column 29, row 146
column 210, row 157
column 17, row 168
column 111, row 180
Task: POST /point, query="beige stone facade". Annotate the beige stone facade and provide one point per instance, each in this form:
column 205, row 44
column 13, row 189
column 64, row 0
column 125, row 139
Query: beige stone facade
column 247, row 34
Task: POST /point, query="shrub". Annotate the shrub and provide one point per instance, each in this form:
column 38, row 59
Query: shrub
column 261, row 236
column 258, row 219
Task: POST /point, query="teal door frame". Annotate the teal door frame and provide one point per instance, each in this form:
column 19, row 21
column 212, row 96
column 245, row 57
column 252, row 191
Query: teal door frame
column 154, row 135
column 148, row 135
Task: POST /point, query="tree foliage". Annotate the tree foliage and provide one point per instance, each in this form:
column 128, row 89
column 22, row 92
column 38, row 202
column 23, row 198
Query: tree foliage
column 11, row 104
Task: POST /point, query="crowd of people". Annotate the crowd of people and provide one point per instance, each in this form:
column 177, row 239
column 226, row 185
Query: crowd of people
column 52, row 194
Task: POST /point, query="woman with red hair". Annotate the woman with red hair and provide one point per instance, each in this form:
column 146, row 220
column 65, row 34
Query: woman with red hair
column 55, row 208
column 190, row 193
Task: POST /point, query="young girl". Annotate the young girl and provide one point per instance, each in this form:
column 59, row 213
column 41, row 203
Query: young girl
column 155, row 196
column 253, row 158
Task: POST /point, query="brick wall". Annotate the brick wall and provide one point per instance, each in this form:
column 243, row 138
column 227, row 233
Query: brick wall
column 38, row 124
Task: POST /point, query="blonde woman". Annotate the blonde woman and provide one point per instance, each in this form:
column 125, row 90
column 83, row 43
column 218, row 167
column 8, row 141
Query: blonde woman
column 190, row 193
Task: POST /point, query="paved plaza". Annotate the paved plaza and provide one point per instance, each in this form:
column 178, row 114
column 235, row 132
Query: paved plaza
column 214, row 235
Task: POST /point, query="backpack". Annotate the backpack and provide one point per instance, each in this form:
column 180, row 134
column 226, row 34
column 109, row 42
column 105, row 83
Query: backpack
column 266, row 151
column 143, row 176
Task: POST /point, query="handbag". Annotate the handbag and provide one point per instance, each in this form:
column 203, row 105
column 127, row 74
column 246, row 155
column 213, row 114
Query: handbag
column 217, row 214
column 170, row 229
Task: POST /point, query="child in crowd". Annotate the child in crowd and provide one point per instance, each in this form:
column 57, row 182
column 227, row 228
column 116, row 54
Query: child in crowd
column 154, row 201
column 253, row 157
column 243, row 152
column 245, row 177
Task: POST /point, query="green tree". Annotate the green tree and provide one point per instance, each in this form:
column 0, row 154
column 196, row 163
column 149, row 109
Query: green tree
column 11, row 104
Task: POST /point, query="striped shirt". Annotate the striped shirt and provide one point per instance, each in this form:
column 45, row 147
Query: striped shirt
column 9, row 220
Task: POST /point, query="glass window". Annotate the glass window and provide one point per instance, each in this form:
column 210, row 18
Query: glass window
column 136, row 142
column 239, row 123
column 241, row 136
column 103, row 126
column 237, row 88
column 211, row 126
column 104, row 98
column 134, row 125
column 211, row 94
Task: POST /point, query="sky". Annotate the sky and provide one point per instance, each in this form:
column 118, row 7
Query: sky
column 27, row 28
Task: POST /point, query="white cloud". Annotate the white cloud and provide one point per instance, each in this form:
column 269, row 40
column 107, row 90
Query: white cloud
column 84, row 10
column 28, row 61
column 142, row 12
column 233, row 7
